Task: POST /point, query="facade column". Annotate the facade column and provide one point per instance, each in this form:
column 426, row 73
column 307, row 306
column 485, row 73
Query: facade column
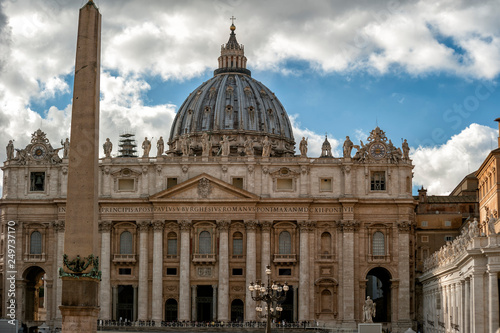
column 477, row 302
column 404, row 229
column 453, row 319
column 348, row 228
column 105, row 286
column 266, row 248
column 251, row 269
column 305, row 227
column 143, row 303
column 223, row 299
column 493, row 301
column 59, row 227
column 467, row 313
column 157, row 305
column 194, row 294
column 346, row 169
column 185, row 264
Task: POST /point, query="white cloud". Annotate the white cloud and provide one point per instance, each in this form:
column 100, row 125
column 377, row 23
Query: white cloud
column 441, row 168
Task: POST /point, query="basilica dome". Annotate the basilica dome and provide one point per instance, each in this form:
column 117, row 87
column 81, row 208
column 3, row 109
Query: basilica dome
column 235, row 105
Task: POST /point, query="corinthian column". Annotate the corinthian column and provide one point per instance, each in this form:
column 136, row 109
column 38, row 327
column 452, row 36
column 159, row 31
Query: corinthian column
column 404, row 272
column 184, row 301
column 157, row 307
column 105, row 289
column 143, row 270
column 251, row 269
column 493, row 301
column 348, row 228
column 305, row 227
column 223, row 299
column 266, row 248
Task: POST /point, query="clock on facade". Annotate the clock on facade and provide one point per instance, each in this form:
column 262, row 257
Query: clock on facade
column 38, row 151
column 377, row 150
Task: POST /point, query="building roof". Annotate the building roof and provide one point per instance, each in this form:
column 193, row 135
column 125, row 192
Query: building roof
column 449, row 199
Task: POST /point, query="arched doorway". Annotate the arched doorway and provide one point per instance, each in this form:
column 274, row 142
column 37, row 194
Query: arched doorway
column 34, row 304
column 171, row 310
column 237, row 310
column 378, row 287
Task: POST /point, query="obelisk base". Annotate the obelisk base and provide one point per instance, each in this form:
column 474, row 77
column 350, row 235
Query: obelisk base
column 79, row 319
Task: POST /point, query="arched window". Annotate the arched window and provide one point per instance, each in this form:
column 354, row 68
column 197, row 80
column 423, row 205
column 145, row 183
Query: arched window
column 237, row 244
column 378, row 244
column 126, row 243
column 172, row 243
column 36, row 243
column 326, row 301
column 285, row 243
column 205, row 243
column 326, row 243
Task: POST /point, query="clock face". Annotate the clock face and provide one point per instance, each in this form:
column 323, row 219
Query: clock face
column 38, row 152
column 377, row 150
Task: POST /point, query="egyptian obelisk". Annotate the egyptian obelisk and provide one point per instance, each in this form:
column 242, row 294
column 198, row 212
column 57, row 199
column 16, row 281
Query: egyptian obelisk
column 80, row 268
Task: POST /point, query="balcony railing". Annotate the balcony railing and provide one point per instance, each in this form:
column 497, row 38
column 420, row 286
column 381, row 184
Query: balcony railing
column 170, row 257
column 124, row 258
column 237, row 257
column 34, row 257
column 205, row 258
column 287, row 259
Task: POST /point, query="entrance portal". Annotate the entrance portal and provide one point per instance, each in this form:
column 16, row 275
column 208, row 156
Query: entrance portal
column 171, row 310
column 34, row 300
column 378, row 288
column 237, row 310
column 287, row 305
column 125, row 306
column 204, row 303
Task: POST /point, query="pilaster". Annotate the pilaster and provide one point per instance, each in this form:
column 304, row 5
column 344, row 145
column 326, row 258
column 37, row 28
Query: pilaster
column 184, row 280
column 223, row 305
column 251, row 268
column 143, row 303
column 157, row 306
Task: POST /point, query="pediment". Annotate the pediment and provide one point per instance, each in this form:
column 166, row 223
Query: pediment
column 204, row 187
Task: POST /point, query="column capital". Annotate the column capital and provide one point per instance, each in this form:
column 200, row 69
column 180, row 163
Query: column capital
column 348, row 226
column 185, row 225
column 143, row 225
column 305, row 225
column 266, row 225
column 251, row 225
column 58, row 225
column 223, row 225
column 158, row 225
column 404, row 227
column 105, row 226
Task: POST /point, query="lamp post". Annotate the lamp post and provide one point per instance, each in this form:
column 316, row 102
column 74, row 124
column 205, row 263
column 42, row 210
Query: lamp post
column 272, row 293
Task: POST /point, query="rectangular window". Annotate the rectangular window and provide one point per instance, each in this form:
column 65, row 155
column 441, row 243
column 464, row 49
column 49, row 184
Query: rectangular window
column 424, row 224
column 172, row 246
column 37, row 181
column 237, row 271
column 285, row 271
column 238, row 182
column 126, row 184
column 125, row 271
column 171, row 182
column 448, row 238
column 447, row 223
column 325, row 185
column 284, row 184
column 378, row 181
column 171, row 271
column 425, row 239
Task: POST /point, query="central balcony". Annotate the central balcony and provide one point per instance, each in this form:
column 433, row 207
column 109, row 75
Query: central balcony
column 204, row 259
column 285, row 259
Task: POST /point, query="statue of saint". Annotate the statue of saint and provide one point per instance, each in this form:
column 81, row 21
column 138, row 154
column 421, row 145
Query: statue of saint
column 266, row 147
column 248, row 146
column 347, row 147
column 368, row 310
column 491, row 220
column 108, row 146
column 160, row 146
column 303, row 147
column 225, row 146
column 184, row 145
column 10, row 150
column 146, row 145
column 206, row 145
column 65, row 145
column 406, row 150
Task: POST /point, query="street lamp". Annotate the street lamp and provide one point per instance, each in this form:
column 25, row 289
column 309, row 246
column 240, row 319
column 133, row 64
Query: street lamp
column 272, row 293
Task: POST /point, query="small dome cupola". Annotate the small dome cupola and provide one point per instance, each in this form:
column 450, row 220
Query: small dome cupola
column 232, row 56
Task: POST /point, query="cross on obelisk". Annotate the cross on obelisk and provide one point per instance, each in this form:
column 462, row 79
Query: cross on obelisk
column 232, row 19
column 80, row 273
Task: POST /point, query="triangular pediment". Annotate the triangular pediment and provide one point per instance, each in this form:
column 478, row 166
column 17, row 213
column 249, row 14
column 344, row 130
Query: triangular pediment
column 204, row 187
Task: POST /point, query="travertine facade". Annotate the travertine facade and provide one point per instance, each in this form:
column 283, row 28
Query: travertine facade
column 183, row 234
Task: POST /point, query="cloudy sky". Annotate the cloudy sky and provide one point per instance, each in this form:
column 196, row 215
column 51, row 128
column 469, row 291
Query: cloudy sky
column 423, row 70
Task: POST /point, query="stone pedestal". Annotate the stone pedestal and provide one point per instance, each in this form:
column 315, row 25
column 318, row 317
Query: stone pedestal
column 370, row 328
column 79, row 318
